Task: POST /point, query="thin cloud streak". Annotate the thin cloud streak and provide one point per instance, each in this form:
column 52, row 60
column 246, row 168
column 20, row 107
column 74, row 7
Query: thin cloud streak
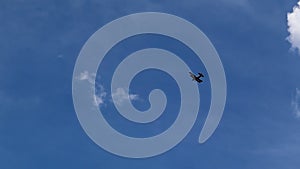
column 296, row 103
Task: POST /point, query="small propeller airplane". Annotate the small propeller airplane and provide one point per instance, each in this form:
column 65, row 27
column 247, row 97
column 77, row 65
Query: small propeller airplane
column 197, row 78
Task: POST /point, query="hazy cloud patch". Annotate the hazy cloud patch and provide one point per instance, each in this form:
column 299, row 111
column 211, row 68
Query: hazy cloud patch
column 121, row 95
column 296, row 103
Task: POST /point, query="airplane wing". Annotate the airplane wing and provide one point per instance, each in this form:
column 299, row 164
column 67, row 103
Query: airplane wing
column 192, row 76
column 199, row 80
column 200, row 74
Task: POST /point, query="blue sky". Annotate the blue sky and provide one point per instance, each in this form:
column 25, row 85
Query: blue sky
column 40, row 41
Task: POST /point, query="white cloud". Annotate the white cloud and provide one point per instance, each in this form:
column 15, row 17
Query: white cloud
column 120, row 95
column 294, row 27
column 296, row 103
column 87, row 76
column 99, row 97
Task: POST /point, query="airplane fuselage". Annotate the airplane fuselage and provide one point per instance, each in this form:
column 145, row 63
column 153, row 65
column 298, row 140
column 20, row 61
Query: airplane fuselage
column 196, row 78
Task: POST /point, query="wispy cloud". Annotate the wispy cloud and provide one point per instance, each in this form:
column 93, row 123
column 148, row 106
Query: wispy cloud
column 99, row 97
column 60, row 56
column 121, row 95
column 87, row 76
column 293, row 19
column 296, row 103
column 9, row 102
column 288, row 146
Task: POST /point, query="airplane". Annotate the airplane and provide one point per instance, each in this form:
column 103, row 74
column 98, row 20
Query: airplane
column 197, row 78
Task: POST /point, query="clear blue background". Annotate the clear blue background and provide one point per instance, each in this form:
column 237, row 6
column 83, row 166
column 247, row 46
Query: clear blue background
column 39, row 44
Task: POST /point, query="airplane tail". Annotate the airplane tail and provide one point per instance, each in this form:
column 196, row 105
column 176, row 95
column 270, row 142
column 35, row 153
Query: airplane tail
column 200, row 74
